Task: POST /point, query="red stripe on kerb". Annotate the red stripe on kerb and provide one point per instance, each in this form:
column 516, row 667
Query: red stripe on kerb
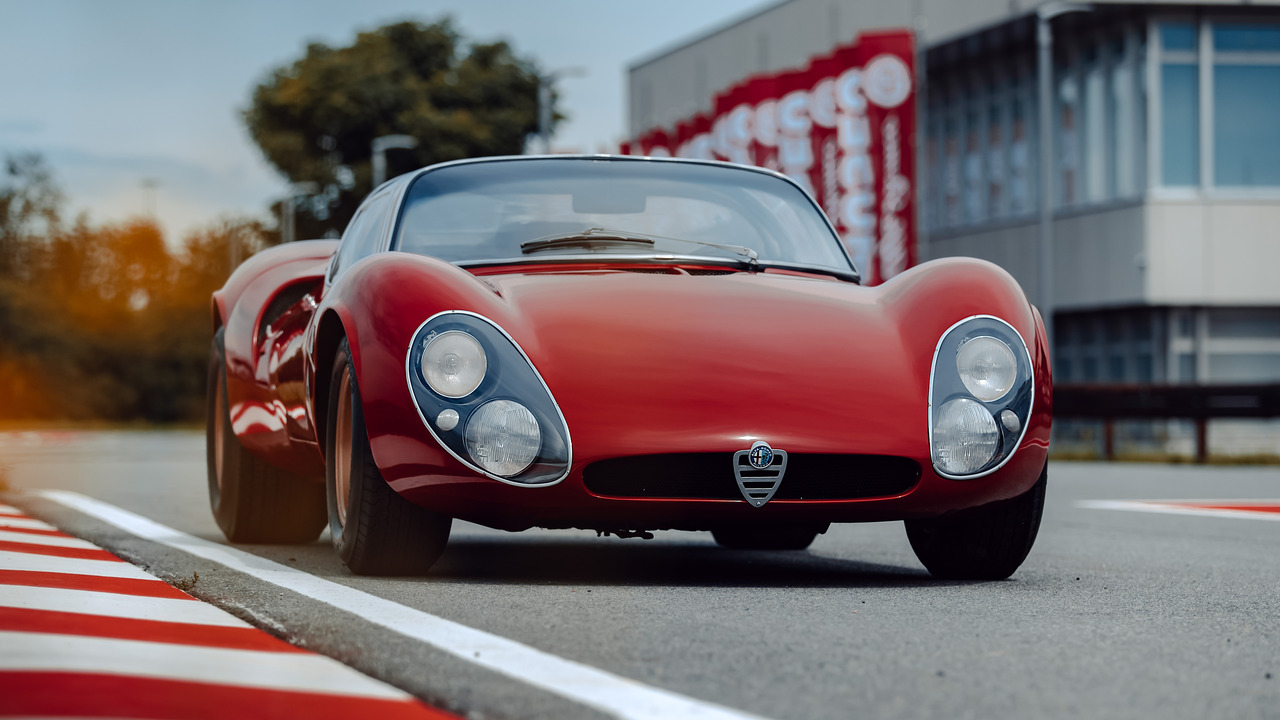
column 79, row 694
column 78, row 553
column 34, row 531
column 124, row 586
column 61, row 623
column 1241, row 507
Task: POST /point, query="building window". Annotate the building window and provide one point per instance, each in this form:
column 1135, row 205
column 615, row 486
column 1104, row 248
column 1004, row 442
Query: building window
column 1096, row 157
column 1179, row 105
column 1021, row 197
column 1246, row 104
column 1123, row 147
column 1068, row 135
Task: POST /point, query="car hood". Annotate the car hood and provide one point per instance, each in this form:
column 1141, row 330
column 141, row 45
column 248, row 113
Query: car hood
column 653, row 361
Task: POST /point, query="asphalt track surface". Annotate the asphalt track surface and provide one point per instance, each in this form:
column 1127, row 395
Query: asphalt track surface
column 1117, row 613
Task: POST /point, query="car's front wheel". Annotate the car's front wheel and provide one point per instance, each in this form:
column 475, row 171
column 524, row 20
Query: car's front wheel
column 375, row 531
column 767, row 537
column 252, row 500
column 985, row 543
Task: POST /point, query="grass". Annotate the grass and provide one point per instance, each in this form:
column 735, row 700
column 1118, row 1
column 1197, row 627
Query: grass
column 186, row 585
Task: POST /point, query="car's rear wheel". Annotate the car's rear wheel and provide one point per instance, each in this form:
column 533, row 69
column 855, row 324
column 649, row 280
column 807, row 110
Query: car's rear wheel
column 252, row 500
column 767, row 537
column 985, row 543
column 375, row 531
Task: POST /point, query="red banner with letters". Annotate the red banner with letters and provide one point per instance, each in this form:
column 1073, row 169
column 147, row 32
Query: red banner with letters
column 843, row 127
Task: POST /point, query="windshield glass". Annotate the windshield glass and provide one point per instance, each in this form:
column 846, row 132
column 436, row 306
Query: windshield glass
column 556, row 207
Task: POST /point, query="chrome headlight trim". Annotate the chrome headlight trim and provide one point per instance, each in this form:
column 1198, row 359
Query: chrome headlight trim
column 1020, row 399
column 490, row 389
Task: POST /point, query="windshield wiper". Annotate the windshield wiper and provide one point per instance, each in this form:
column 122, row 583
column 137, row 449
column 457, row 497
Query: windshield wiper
column 591, row 237
column 588, row 237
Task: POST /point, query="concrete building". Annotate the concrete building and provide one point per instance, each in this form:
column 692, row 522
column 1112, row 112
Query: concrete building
column 1163, row 161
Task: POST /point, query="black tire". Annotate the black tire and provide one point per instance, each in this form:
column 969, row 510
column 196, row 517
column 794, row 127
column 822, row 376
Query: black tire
column 252, row 500
column 376, row 532
column 767, row 537
column 985, row 543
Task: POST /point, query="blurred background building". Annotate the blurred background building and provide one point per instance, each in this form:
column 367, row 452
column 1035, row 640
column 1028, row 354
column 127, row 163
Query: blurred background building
column 1163, row 161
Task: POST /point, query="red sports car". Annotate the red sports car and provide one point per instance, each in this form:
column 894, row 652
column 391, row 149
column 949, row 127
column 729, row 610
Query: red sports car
column 624, row 345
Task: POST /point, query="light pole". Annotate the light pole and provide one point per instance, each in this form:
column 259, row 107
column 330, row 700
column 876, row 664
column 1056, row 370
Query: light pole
column 288, row 219
column 544, row 101
column 380, row 147
column 1044, row 67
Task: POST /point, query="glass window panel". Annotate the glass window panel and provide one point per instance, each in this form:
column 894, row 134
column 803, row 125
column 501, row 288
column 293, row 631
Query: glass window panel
column 1090, row 369
column 1020, row 156
column 1186, row 368
column 951, row 173
column 1095, row 131
column 996, row 173
column 1244, row 323
column 1246, row 125
column 1145, row 368
column 1123, row 142
column 1068, row 138
column 1180, row 124
column 1244, row 367
column 1115, row 368
column 1062, row 370
column 1178, row 36
column 974, row 207
column 1244, row 37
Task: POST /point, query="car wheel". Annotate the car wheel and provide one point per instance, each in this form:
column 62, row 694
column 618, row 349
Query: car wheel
column 985, row 543
column 375, row 531
column 767, row 537
column 252, row 500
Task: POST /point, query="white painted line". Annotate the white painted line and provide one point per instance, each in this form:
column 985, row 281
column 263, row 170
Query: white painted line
column 10, row 560
column 1155, row 506
column 24, row 523
column 134, row 607
column 10, row 510
column 613, row 694
column 46, row 540
column 295, row 672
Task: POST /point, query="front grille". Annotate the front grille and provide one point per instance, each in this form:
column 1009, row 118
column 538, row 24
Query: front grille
column 710, row 476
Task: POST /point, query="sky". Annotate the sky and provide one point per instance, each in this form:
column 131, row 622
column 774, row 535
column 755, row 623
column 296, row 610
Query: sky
column 125, row 95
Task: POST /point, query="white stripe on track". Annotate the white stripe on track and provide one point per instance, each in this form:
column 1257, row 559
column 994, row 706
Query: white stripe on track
column 10, row 510
column 296, row 672
column 1155, row 506
column 46, row 540
column 24, row 523
column 11, row 560
column 133, row 607
column 613, row 694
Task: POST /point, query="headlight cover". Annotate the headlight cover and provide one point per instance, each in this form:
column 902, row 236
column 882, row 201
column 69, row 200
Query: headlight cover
column 980, row 396
column 487, row 405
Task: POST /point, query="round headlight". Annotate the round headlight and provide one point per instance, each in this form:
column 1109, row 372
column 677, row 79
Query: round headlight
column 503, row 437
column 454, row 364
column 987, row 368
column 965, row 437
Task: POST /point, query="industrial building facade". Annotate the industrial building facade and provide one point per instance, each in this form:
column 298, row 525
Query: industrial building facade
column 1163, row 162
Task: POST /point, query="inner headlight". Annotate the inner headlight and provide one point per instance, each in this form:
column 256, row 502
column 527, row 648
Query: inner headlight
column 503, row 437
column 987, row 368
column 965, row 437
column 454, row 364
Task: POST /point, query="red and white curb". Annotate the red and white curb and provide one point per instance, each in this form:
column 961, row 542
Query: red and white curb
column 86, row 634
column 1237, row 509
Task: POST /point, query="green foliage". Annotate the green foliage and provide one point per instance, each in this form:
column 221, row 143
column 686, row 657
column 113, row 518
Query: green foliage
column 321, row 113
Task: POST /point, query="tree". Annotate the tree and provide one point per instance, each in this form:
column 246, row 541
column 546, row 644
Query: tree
column 316, row 118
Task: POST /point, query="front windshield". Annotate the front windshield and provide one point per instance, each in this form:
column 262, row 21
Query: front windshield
column 552, row 208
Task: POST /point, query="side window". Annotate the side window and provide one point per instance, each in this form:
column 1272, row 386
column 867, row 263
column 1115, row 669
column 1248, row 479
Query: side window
column 363, row 235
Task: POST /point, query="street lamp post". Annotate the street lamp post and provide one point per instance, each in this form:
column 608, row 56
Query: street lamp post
column 544, row 101
column 380, row 147
column 288, row 219
column 1044, row 67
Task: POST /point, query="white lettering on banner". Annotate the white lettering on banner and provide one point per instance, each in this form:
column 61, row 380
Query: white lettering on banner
column 739, row 133
column 896, row 198
column 795, row 151
column 766, row 125
column 855, row 209
column 823, row 109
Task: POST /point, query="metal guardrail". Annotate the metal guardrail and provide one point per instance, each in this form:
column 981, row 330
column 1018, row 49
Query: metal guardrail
column 1193, row 402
